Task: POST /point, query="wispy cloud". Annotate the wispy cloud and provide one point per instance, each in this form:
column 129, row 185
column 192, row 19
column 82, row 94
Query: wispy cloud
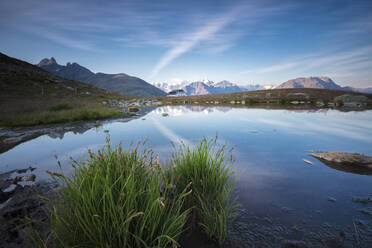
column 344, row 62
column 191, row 40
column 278, row 67
column 137, row 23
column 69, row 42
column 214, row 32
column 77, row 24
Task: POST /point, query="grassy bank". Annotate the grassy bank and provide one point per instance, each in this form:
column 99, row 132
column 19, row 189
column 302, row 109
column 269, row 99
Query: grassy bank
column 57, row 104
column 127, row 198
column 61, row 113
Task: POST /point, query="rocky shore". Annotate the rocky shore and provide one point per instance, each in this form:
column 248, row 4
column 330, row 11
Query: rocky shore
column 22, row 208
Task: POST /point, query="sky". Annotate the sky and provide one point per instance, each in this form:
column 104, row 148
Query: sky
column 245, row 42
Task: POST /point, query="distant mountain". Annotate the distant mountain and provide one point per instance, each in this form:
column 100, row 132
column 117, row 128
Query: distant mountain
column 198, row 88
column 225, row 87
column 119, row 83
column 311, row 82
column 320, row 83
column 204, row 87
column 168, row 87
column 21, row 82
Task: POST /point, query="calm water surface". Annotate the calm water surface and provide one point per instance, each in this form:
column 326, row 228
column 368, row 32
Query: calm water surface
column 274, row 185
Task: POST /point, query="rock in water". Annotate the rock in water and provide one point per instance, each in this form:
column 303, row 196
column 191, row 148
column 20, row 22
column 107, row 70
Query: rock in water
column 25, row 178
column 133, row 109
column 293, row 244
column 331, row 199
column 344, row 158
column 307, row 161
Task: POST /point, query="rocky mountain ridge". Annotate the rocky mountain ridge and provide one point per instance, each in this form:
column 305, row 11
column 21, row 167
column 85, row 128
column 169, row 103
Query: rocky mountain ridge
column 118, row 83
column 205, row 87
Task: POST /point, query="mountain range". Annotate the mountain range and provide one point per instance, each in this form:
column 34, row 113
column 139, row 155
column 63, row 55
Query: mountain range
column 133, row 86
column 204, row 87
column 118, row 83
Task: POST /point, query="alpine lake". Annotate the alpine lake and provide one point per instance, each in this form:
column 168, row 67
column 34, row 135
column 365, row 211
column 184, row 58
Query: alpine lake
column 281, row 196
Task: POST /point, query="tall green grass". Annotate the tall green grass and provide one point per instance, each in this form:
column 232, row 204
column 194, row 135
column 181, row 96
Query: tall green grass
column 126, row 198
column 208, row 167
column 118, row 198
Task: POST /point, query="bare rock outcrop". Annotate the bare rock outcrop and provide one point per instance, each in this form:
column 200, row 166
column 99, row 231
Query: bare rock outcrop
column 344, row 159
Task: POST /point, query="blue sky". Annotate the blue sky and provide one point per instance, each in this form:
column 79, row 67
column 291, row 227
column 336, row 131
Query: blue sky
column 266, row 42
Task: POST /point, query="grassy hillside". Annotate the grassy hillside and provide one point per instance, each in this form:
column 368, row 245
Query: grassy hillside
column 31, row 96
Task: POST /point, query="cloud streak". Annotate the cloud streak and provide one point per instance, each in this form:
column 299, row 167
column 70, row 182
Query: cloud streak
column 189, row 41
column 334, row 63
column 77, row 24
column 214, row 34
column 69, row 42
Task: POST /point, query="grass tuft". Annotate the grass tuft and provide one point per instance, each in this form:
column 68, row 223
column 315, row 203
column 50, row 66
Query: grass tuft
column 208, row 168
column 118, row 198
column 126, row 198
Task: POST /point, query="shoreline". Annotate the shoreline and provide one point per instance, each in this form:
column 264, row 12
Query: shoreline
column 11, row 137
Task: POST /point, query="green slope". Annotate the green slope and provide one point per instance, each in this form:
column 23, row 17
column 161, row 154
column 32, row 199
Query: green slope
column 32, row 96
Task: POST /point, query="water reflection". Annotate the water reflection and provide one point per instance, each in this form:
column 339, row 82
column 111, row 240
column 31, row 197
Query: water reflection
column 272, row 176
column 181, row 110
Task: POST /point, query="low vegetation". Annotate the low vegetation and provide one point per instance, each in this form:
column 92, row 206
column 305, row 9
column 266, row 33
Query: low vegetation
column 127, row 198
column 61, row 106
column 280, row 98
column 36, row 113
